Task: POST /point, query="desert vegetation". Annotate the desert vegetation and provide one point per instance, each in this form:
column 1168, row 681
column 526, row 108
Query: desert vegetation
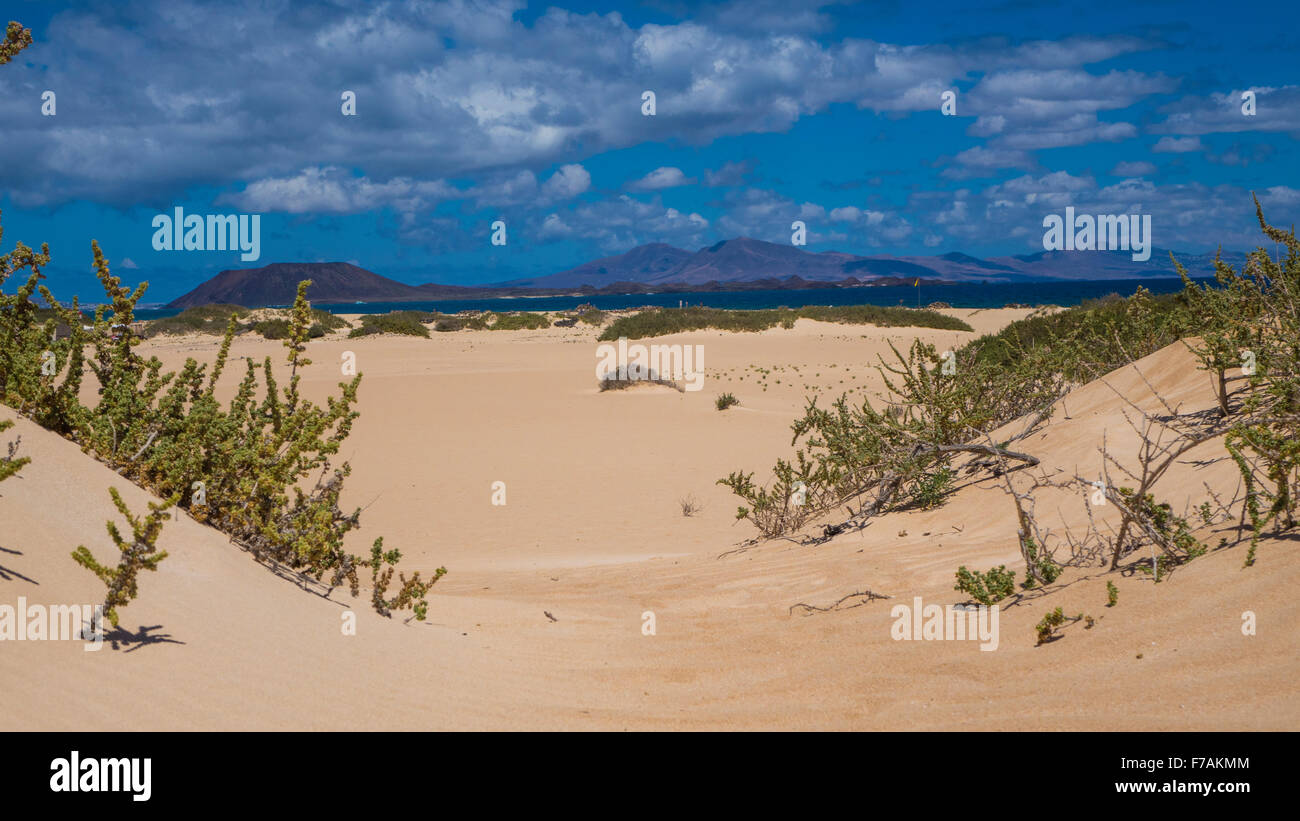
column 140, row 552
column 941, row 410
column 11, row 462
column 213, row 319
column 408, row 323
column 663, row 321
column 415, row 323
column 244, row 467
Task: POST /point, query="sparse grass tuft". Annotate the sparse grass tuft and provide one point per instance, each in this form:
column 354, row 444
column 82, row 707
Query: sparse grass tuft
column 689, row 506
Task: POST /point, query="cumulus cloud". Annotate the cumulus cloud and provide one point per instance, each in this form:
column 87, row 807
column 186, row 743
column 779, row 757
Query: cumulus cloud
column 566, row 183
column 1026, row 109
column 661, row 178
column 330, row 190
column 470, row 102
column 1184, row 216
column 1276, row 109
column 980, row 161
column 619, row 223
column 166, row 109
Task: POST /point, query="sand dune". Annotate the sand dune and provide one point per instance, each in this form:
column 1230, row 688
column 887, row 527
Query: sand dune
column 592, row 533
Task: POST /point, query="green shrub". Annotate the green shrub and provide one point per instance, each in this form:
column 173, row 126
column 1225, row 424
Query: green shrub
column 663, row 321
column 243, row 467
column 1257, row 310
column 411, row 594
column 1048, row 570
column 328, row 321
column 11, row 463
column 725, row 401
column 896, row 452
column 1112, row 594
column 848, row 450
column 204, row 319
column 1046, row 628
column 986, row 588
column 140, row 552
column 276, row 328
column 408, row 323
column 520, row 321
column 1174, row 532
column 932, row 488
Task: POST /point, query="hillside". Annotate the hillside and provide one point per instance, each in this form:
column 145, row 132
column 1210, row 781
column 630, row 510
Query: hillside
column 276, row 284
column 219, row 642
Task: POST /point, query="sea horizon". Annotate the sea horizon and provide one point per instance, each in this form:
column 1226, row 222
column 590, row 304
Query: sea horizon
column 955, row 294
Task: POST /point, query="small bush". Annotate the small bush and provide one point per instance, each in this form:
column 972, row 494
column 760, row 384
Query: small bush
column 678, row 320
column 412, row 593
column 11, row 463
column 521, row 321
column 408, row 323
column 725, row 401
column 328, row 321
column 241, row 467
column 1046, row 629
column 140, row 553
column 986, row 588
column 1047, row 569
column 1112, row 594
column 204, row 319
column 277, row 328
column 930, row 489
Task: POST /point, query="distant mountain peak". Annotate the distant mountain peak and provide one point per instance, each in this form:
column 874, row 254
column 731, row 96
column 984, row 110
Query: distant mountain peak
column 277, row 284
column 726, row 264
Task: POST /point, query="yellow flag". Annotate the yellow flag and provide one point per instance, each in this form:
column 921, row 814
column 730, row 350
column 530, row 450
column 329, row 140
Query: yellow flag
column 917, row 283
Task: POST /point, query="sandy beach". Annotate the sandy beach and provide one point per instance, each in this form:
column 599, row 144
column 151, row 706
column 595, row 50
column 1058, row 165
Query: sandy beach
column 540, row 622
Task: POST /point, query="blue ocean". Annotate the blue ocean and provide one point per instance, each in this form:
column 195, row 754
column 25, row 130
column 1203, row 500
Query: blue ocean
column 958, row 295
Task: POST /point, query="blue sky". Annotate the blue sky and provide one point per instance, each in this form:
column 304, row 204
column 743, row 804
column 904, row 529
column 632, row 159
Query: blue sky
column 767, row 112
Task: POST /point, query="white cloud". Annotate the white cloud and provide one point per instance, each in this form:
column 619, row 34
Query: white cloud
column 661, row 178
column 566, row 183
column 330, row 190
column 1276, row 109
column 166, row 109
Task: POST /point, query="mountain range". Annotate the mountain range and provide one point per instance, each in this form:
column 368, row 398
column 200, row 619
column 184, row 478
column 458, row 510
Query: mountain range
column 736, row 264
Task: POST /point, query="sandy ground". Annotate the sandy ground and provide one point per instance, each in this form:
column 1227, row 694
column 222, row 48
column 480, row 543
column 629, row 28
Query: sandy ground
column 592, row 532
